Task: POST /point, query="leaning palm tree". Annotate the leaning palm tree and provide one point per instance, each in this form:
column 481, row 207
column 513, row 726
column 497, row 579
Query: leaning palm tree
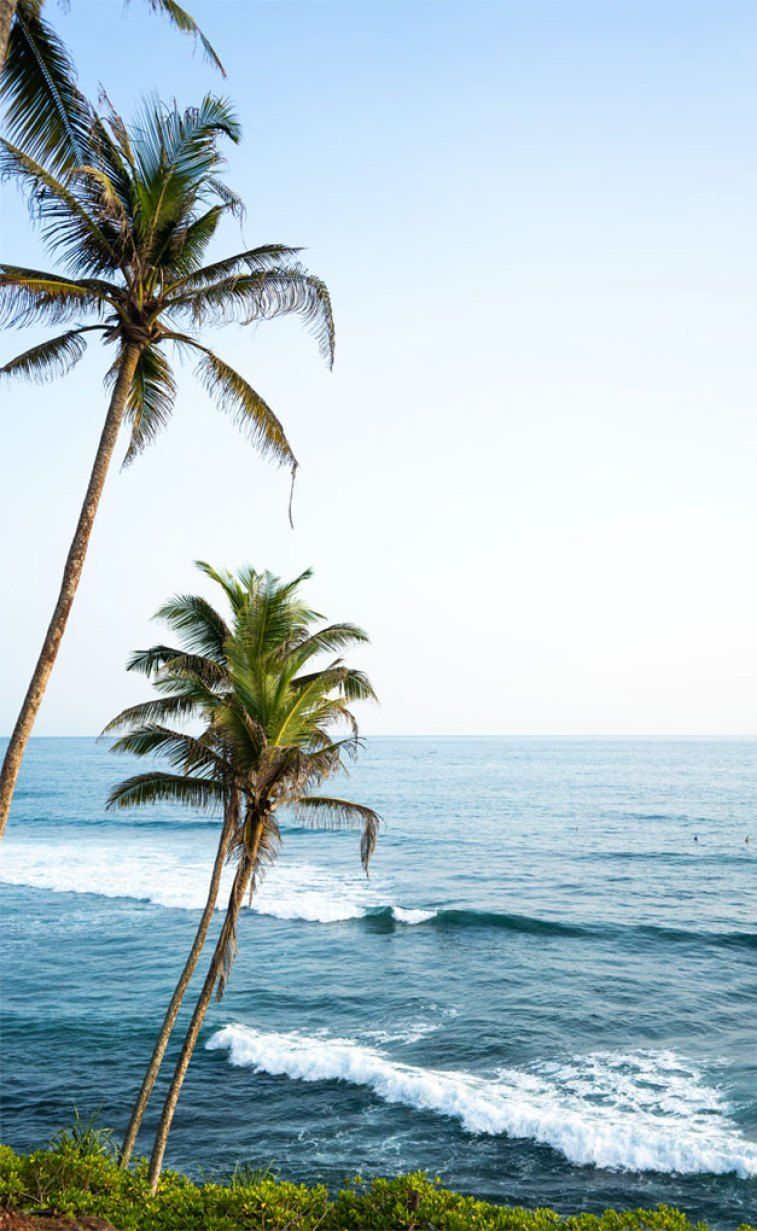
column 267, row 714
column 130, row 225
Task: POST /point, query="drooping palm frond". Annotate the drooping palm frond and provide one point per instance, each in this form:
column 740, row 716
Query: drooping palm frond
column 151, row 400
column 251, row 414
column 49, row 359
column 263, row 295
column 317, row 809
column 45, row 111
column 147, row 662
column 183, row 21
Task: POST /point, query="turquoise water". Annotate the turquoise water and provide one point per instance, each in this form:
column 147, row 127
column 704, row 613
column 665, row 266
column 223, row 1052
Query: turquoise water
column 545, row 993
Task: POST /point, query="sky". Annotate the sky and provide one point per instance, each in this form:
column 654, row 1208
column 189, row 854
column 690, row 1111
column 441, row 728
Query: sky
column 531, row 474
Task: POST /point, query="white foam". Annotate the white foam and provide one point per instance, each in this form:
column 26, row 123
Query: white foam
column 178, row 878
column 410, row 916
column 637, row 1111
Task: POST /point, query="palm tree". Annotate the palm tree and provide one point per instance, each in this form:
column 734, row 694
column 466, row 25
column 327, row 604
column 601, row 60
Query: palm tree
column 267, row 714
column 130, row 225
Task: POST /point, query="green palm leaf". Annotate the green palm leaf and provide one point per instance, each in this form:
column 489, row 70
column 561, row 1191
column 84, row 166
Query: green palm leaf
column 28, row 296
column 203, row 629
column 49, row 359
column 266, row 257
column 150, row 402
column 45, row 111
column 251, row 414
column 156, row 788
column 81, row 239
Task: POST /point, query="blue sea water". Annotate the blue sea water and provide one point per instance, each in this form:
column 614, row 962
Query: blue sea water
column 545, row 993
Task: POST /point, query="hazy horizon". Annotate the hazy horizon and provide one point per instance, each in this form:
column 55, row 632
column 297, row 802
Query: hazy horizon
column 530, row 476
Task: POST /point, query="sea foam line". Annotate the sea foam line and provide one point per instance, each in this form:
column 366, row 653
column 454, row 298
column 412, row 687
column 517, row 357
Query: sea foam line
column 177, row 877
column 635, row 1111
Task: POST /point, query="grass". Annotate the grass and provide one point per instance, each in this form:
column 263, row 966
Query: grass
column 78, row 1176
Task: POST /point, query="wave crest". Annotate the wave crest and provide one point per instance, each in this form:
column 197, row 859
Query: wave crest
column 642, row 1111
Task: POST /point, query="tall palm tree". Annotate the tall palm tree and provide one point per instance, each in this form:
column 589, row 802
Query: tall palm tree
column 130, row 225
column 267, row 714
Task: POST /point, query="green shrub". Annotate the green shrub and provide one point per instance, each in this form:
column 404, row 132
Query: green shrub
column 79, row 1176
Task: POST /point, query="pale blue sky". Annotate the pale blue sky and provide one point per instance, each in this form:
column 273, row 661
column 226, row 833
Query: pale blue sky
column 531, row 475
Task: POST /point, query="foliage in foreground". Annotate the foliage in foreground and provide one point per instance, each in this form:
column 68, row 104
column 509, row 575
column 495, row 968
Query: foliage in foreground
column 79, row 1177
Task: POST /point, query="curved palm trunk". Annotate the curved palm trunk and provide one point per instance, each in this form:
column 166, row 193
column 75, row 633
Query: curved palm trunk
column 7, row 13
column 71, row 577
column 238, row 891
column 135, row 1123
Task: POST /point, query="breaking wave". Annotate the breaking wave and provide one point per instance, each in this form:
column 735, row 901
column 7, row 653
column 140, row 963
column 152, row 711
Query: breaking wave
column 636, row 1111
column 178, row 879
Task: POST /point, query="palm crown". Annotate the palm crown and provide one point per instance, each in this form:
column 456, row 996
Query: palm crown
column 270, row 716
column 131, row 224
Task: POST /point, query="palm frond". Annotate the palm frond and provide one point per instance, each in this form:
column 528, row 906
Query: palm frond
column 46, row 113
column 264, row 295
column 81, row 240
column 185, row 246
column 178, row 748
column 48, row 360
column 171, row 666
column 349, row 682
column 186, row 23
column 265, row 257
column 150, row 402
column 251, row 414
column 175, row 152
column 334, row 637
column 32, row 296
column 160, row 710
column 147, row 662
column 154, row 788
column 231, row 199
column 342, row 812
column 204, row 630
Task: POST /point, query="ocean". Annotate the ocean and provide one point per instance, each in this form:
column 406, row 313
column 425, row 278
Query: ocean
column 545, row 994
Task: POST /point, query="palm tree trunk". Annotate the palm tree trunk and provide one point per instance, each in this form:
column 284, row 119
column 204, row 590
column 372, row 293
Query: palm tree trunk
column 7, row 13
column 135, row 1123
column 71, row 577
column 238, row 891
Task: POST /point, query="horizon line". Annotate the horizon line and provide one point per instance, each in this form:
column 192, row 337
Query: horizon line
column 595, row 737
